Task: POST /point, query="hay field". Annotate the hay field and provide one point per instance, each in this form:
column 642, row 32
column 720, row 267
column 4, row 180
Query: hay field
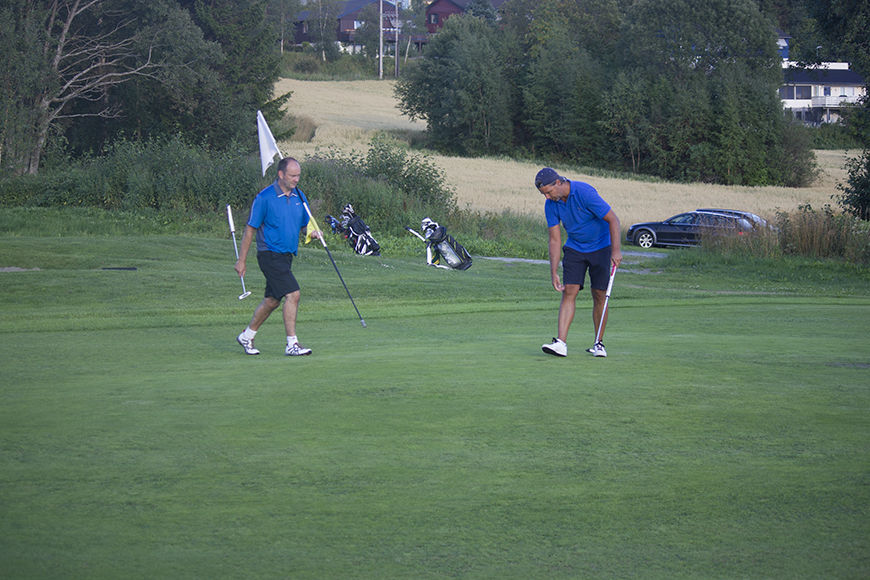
column 348, row 113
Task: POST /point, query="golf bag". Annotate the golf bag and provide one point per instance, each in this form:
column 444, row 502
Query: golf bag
column 441, row 245
column 355, row 231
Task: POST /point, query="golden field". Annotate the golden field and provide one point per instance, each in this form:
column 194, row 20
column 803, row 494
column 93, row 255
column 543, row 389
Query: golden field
column 348, row 113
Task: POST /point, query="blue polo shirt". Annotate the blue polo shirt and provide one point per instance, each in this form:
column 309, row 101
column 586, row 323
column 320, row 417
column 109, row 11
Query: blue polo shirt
column 278, row 218
column 582, row 213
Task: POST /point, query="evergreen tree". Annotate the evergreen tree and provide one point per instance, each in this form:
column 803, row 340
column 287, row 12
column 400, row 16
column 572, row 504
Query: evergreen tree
column 482, row 9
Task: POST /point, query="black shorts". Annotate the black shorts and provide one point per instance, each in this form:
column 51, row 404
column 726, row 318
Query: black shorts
column 575, row 264
column 280, row 281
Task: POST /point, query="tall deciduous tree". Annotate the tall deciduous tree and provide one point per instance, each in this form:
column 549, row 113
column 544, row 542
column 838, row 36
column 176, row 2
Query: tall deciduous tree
column 75, row 59
column 459, row 89
column 282, row 15
column 713, row 72
column 323, row 27
column 562, row 101
column 82, row 49
column 23, row 73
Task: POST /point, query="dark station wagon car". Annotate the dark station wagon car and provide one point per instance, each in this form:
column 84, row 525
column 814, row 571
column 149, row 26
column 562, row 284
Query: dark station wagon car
column 687, row 229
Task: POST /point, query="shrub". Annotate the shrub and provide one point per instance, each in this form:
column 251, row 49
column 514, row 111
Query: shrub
column 388, row 187
column 159, row 175
column 855, row 197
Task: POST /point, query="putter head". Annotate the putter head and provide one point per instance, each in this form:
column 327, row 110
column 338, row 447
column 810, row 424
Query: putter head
column 245, row 295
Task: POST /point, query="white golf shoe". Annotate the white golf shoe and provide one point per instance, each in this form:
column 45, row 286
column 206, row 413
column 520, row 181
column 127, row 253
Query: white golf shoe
column 247, row 344
column 296, row 350
column 597, row 349
column 557, row 347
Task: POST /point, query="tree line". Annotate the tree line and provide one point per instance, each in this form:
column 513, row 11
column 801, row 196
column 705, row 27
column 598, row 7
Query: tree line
column 686, row 91
column 682, row 90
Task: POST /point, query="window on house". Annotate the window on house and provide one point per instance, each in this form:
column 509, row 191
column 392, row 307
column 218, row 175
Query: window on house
column 803, row 92
column 433, row 19
column 786, row 92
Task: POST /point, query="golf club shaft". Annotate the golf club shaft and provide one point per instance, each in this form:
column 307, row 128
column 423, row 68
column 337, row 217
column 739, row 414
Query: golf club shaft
column 415, row 233
column 606, row 301
column 245, row 293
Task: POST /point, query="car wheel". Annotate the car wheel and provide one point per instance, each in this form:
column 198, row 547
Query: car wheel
column 645, row 239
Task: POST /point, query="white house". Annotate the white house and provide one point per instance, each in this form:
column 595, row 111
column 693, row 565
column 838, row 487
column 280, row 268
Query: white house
column 817, row 95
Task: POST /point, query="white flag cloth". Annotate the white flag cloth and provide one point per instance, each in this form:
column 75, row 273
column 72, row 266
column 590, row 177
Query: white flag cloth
column 268, row 147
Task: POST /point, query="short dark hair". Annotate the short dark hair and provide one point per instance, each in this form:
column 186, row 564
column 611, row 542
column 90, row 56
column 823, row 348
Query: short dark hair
column 282, row 165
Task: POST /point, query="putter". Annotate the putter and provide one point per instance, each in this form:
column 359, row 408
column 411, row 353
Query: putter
column 606, row 300
column 245, row 293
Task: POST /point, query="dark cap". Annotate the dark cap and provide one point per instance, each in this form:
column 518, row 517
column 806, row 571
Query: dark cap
column 547, row 176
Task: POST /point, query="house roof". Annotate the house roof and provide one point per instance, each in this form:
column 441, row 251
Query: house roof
column 819, row 76
column 349, row 7
column 463, row 4
column 354, row 5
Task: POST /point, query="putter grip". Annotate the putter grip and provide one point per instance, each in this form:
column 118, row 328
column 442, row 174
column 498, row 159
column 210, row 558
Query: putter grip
column 230, row 219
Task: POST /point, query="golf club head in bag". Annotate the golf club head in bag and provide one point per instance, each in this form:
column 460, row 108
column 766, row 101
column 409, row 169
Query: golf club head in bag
column 440, row 244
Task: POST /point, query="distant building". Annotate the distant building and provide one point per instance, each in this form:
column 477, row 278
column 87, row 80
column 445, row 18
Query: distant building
column 439, row 11
column 818, row 95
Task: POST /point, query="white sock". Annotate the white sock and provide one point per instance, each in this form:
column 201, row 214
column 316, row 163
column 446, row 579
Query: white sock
column 291, row 340
column 249, row 334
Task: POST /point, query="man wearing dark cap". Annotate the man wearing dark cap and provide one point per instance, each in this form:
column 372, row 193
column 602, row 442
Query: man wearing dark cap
column 593, row 245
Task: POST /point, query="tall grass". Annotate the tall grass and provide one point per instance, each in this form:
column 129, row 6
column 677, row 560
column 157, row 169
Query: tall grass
column 824, row 234
column 820, row 234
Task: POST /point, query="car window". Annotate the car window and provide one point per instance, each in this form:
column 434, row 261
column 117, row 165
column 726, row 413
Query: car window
column 683, row 218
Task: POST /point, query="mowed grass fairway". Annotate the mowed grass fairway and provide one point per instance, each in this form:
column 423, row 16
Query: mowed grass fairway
column 725, row 436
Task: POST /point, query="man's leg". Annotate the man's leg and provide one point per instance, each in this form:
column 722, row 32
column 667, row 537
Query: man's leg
column 264, row 309
column 567, row 309
column 291, row 306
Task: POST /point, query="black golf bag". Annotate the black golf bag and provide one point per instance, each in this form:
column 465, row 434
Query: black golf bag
column 442, row 247
column 355, row 231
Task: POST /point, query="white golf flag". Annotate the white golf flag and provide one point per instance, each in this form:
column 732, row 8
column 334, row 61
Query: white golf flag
column 268, row 147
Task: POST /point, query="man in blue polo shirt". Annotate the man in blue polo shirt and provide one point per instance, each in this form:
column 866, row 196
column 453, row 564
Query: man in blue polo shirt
column 277, row 217
column 593, row 245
